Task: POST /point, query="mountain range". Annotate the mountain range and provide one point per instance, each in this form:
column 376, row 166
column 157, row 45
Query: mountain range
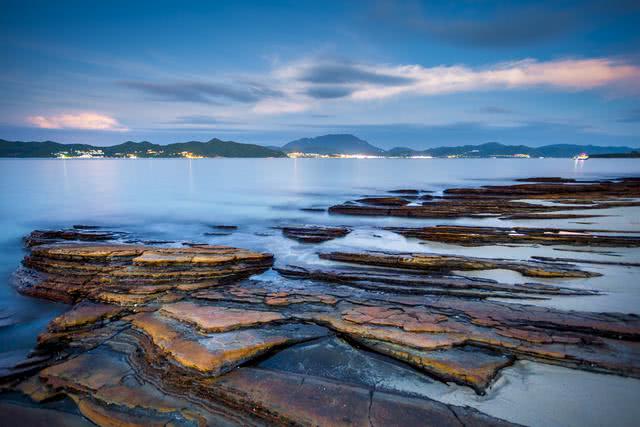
column 212, row 148
column 336, row 144
column 350, row 144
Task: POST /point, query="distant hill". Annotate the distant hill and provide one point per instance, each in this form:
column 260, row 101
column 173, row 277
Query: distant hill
column 212, row 148
column 350, row 144
column 629, row 155
column 332, row 144
column 327, row 144
column 495, row 149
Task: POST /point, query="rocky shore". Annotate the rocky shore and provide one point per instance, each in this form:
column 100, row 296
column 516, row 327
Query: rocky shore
column 184, row 334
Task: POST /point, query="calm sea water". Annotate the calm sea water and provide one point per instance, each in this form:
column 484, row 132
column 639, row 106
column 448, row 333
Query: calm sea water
column 179, row 199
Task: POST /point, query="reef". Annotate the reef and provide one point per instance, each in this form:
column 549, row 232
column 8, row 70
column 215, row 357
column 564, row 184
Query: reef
column 505, row 201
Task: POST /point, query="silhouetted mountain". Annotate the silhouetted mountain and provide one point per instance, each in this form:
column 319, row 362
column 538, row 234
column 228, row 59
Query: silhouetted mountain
column 332, row 144
column 494, row 149
column 212, row 148
column 629, row 155
column 327, row 144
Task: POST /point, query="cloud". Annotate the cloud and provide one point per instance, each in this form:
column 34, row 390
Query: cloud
column 567, row 74
column 85, row 121
column 203, row 92
column 328, row 92
column 512, row 24
column 309, row 83
column 348, row 73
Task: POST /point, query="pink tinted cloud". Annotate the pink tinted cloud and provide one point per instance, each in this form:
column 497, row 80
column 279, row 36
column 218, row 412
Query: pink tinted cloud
column 83, row 120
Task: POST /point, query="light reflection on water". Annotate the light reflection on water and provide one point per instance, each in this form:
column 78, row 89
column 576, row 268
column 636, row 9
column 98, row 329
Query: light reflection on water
column 178, row 199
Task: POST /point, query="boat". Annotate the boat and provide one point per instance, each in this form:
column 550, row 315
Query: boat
column 581, row 156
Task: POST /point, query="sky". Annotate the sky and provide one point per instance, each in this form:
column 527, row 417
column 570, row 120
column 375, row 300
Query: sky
column 407, row 73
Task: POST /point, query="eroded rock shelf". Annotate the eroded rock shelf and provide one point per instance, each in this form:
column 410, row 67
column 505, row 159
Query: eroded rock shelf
column 180, row 335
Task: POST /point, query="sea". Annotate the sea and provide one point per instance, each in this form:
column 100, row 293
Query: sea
column 178, row 200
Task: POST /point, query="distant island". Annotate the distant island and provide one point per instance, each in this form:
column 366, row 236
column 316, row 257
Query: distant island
column 333, row 144
column 325, row 146
column 130, row 149
column 345, row 145
column 629, row 155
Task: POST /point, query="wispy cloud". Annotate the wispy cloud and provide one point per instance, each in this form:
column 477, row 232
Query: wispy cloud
column 203, row 92
column 305, row 84
column 84, row 120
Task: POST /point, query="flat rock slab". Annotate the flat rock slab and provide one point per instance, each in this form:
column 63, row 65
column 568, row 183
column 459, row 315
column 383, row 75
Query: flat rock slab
column 218, row 319
column 314, row 233
column 482, row 236
column 448, row 263
column 315, row 401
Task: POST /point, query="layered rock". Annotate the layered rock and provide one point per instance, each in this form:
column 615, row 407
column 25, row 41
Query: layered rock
column 483, row 236
column 131, row 274
column 171, row 335
column 395, row 282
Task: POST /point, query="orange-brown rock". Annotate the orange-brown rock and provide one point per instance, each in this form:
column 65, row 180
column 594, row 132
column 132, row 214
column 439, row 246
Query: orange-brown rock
column 215, row 353
column 218, row 319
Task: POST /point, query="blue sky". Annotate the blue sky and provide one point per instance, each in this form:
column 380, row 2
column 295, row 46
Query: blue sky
column 411, row 73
